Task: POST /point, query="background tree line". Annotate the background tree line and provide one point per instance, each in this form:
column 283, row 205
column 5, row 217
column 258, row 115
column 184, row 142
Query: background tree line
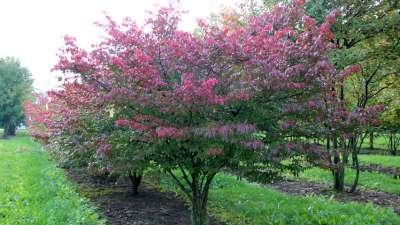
column 15, row 87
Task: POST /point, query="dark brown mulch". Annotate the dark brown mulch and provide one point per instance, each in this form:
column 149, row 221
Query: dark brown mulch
column 391, row 171
column 150, row 207
column 381, row 199
column 375, row 151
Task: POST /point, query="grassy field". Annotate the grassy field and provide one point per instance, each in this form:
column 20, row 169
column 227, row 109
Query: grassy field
column 242, row 203
column 390, row 161
column 368, row 180
column 34, row 191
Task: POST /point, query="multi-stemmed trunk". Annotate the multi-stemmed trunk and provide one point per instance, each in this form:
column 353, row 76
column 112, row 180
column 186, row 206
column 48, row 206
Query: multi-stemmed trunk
column 136, row 179
column 199, row 208
column 357, row 167
column 338, row 172
column 393, row 143
column 338, row 167
column 339, row 179
column 195, row 186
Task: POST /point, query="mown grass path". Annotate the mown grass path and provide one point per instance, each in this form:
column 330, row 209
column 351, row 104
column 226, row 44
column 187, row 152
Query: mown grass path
column 34, row 191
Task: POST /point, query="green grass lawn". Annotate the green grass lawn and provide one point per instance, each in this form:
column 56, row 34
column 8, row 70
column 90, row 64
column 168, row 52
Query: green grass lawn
column 376, row 181
column 34, row 191
column 384, row 160
column 242, row 203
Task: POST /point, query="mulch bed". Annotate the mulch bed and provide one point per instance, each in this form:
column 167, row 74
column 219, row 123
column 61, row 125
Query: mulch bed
column 381, row 199
column 150, row 207
column 391, row 171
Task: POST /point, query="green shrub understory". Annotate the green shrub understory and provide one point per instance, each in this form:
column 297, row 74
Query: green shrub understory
column 242, row 203
column 34, row 191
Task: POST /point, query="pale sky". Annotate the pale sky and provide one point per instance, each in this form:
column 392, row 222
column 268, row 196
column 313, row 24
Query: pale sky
column 33, row 30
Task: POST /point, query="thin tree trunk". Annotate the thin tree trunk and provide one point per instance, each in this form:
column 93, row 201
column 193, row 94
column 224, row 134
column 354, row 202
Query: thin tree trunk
column 391, row 144
column 371, row 140
column 355, row 182
column 338, row 173
column 353, row 147
column 328, row 143
column 345, row 146
column 339, row 179
column 356, row 164
column 354, row 158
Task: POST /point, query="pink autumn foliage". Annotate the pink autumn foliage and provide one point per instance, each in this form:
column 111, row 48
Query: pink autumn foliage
column 178, row 85
column 103, row 149
column 195, row 93
column 170, row 132
column 37, row 115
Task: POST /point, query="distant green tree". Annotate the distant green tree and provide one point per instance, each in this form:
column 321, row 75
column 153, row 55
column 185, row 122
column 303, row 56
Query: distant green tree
column 391, row 118
column 15, row 86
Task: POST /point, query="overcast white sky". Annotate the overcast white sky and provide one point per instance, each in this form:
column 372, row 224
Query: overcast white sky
column 33, row 30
